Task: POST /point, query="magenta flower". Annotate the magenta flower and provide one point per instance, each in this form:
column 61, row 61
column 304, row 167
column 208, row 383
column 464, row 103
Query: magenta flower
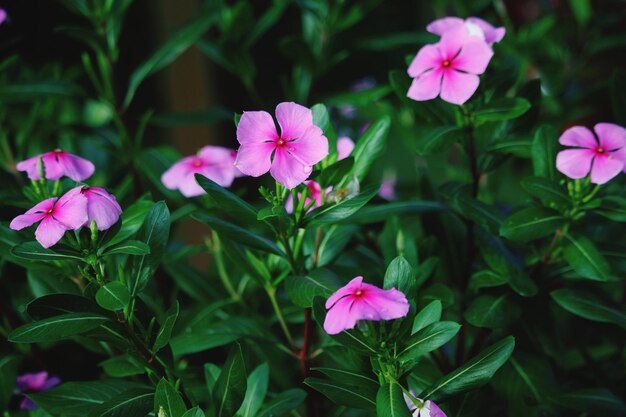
column 56, row 215
column 345, row 146
column 474, row 26
column 359, row 301
column 57, row 164
column 214, row 162
column 315, row 191
column 601, row 154
column 449, row 68
column 102, row 207
column 31, row 383
column 298, row 147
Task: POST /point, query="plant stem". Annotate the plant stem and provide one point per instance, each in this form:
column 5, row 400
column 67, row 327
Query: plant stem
column 216, row 249
column 271, row 292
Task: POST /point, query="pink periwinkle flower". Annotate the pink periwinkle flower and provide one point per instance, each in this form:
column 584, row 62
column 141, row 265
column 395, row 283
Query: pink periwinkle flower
column 473, row 25
column 57, row 215
column 359, row 301
column 600, row 154
column 315, row 194
column 449, row 68
column 102, row 207
column 3, row 16
column 290, row 155
column 32, row 383
column 345, row 146
column 57, row 164
column 214, row 162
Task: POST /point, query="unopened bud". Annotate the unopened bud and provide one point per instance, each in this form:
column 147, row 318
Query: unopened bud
column 162, row 412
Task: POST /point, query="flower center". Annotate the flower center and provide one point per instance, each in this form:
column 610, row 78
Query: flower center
column 49, row 211
column 197, row 163
column 281, row 142
column 446, row 63
column 600, row 150
column 358, row 293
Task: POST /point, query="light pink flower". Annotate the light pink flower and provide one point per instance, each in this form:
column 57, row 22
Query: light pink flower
column 345, row 146
column 474, row 26
column 3, row 16
column 57, row 215
column 388, row 189
column 102, row 207
column 32, row 383
column 214, row 162
column 315, row 191
column 601, row 154
column 449, row 68
column 57, row 164
column 359, row 301
column 298, row 147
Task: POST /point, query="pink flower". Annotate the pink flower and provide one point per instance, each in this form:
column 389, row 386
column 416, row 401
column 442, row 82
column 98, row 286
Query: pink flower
column 214, row 162
column 314, row 190
column 600, row 154
column 449, row 68
column 298, row 147
column 3, row 16
column 102, row 207
column 345, row 146
column 31, row 383
column 359, row 301
column 56, row 215
column 388, row 189
column 57, row 164
column 474, row 26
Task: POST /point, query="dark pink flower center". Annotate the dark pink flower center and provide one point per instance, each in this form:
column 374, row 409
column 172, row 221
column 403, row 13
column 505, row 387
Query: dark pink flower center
column 600, row 150
column 49, row 211
column 446, row 63
column 197, row 163
column 280, row 142
column 359, row 293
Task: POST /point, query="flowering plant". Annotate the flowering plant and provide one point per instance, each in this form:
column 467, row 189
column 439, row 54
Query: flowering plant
column 439, row 238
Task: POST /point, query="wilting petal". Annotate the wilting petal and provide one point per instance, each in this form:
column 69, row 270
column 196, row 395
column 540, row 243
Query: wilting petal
column 71, row 211
column 578, row 136
column 605, row 167
column 452, row 41
column 349, row 289
column 288, row 170
column 254, row 159
column 458, row 87
column 256, row 126
column 427, row 86
column 294, row 119
column 575, row 163
column 311, row 148
column 102, row 207
column 610, row 136
column 388, row 304
column 474, row 57
column 340, row 317
column 345, row 146
column 74, row 167
column 49, row 232
column 443, row 25
column 492, row 34
column 427, row 58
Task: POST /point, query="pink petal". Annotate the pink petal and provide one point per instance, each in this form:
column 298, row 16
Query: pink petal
column 71, row 211
column 294, row 119
column 289, row 170
column 605, row 167
column 311, row 148
column 610, row 136
column 340, row 317
column 189, row 187
column 458, row 87
column 348, row 289
column 102, row 207
column 434, row 409
column 3, row 16
column 427, row 86
column 492, row 34
column 32, row 382
column 578, row 136
column 474, row 57
column 218, row 155
column 52, row 165
column 345, row 146
column 75, row 167
column 574, row 163
column 220, row 174
column 49, row 232
column 42, row 206
column 29, row 166
column 443, row 25
column 178, row 173
column 254, row 159
column 33, row 215
column 256, row 126
column 52, row 382
column 388, row 304
column 452, row 41
column 428, row 57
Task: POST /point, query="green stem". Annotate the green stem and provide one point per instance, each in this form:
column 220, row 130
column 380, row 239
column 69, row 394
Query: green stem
column 216, row 249
column 271, row 292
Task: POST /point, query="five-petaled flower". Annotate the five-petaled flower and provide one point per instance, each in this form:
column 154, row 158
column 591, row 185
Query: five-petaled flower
column 57, row 215
column 449, row 68
column 102, row 207
column 474, row 26
column 214, row 162
column 601, row 154
column 359, row 301
column 32, row 383
column 57, row 164
column 290, row 155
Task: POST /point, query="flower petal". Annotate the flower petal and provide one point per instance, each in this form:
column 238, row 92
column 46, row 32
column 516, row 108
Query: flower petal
column 458, row 87
column 474, row 57
column 256, row 126
column 53, row 381
column 294, row 119
column 610, row 136
column 311, row 148
column 190, row 187
column 254, row 159
column 49, row 232
column 102, row 207
column 428, row 57
column 340, row 317
column 605, row 167
column 578, row 136
column 443, row 25
column 176, row 174
column 220, row 174
column 75, row 167
column 492, row 34
column 452, row 41
column 71, row 210
column 29, row 166
column 574, row 163
column 33, row 215
column 426, row 86
column 32, row 382
column 289, row 170
column 388, row 304
column 52, row 166
column 345, row 146
column 348, row 289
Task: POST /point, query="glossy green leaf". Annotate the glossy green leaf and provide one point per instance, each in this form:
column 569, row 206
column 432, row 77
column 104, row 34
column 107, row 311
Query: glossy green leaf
column 549, row 192
column 586, row 260
column 34, row 251
column 228, row 202
column 343, row 209
column 194, row 412
column 129, row 247
column 169, row 400
column 588, row 306
column 401, row 276
column 113, row 296
column 258, row 381
column 132, row 218
column 369, row 147
column 502, row 109
column 283, row 403
column 437, row 139
column 428, row 339
column 486, row 279
column 599, row 401
column 428, row 315
column 492, row 312
column 304, row 288
column 165, row 330
column 123, row 366
column 544, row 149
column 341, row 393
column 56, row 328
column 390, row 402
column 531, row 223
column 134, row 402
column 230, row 388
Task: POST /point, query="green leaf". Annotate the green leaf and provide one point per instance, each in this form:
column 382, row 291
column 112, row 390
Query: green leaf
column 531, row 223
column 428, row 339
column 8, row 374
column 56, row 328
column 34, row 251
column 55, row 304
column 132, row 218
column 475, row 373
column 154, row 232
column 365, row 384
column 544, row 149
column 239, row 234
column 586, row 305
column 227, row 202
column 135, row 402
column 390, row 402
column 123, row 366
column 335, row 173
column 428, row 315
column 437, row 139
column 258, row 381
column 283, row 403
column 502, row 109
column 230, row 388
column 113, row 296
column 342, row 393
column 194, row 412
column 170, row 50
column 582, row 10
column 401, row 276
column 168, row 399
column 492, row 312
column 369, row 147
column 598, row 401
column 301, row 290
column 586, row 260
column 165, row 331
column 129, row 247
column 381, row 212
column 321, row 119
column 613, row 207
column 549, row 192
column 343, row 209
column 479, row 212
column 36, row 90
column 486, row 279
